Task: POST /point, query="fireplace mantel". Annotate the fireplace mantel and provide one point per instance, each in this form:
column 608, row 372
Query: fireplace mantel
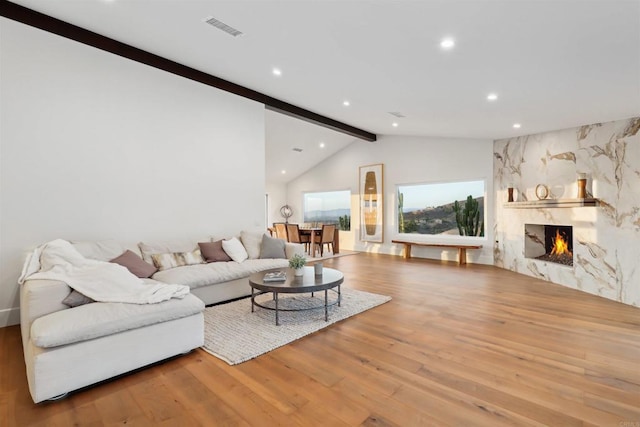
column 553, row 203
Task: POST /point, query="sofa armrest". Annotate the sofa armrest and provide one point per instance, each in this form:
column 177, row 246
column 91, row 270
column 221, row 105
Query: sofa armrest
column 292, row 249
column 39, row 298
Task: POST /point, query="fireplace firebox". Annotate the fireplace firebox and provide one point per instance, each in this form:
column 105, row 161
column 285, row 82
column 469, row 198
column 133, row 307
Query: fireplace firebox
column 549, row 242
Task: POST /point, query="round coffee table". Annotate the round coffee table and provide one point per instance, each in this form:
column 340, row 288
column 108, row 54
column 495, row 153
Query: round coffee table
column 308, row 283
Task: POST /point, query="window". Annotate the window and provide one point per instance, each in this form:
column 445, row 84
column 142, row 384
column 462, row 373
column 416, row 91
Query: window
column 449, row 208
column 328, row 207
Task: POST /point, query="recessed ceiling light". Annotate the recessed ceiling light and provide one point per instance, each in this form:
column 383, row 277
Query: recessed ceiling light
column 516, row 125
column 277, row 72
column 346, row 103
column 492, row 97
column 447, row 43
column 283, row 171
column 394, row 124
column 322, row 145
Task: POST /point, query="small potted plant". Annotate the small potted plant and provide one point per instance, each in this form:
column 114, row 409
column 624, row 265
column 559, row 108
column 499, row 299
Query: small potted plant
column 297, row 262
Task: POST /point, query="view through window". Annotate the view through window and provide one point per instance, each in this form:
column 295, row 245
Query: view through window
column 449, row 208
column 328, row 207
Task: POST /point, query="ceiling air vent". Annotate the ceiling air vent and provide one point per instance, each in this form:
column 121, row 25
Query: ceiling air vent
column 396, row 114
column 297, row 150
column 222, row 26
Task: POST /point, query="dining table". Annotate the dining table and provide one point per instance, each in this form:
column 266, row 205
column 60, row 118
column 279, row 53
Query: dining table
column 313, row 232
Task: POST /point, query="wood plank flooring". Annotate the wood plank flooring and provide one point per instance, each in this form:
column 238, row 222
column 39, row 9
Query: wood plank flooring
column 464, row 345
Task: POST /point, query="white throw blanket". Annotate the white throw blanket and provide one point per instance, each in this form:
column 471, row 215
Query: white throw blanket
column 99, row 280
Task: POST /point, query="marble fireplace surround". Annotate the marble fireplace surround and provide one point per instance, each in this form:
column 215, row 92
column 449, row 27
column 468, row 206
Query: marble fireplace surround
column 606, row 235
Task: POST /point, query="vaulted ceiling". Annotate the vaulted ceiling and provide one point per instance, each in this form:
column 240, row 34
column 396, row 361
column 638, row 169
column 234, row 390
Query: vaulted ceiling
column 551, row 64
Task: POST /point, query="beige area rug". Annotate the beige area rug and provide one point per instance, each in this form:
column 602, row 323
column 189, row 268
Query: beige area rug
column 235, row 335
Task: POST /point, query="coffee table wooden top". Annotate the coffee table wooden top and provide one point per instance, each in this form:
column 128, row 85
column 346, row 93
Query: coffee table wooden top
column 309, row 282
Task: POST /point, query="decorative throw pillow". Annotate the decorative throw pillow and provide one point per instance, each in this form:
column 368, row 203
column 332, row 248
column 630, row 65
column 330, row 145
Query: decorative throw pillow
column 234, row 249
column 177, row 259
column 251, row 241
column 165, row 247
column 75, row 299
column 135, row 264
column 272, row 248
column 213, row 252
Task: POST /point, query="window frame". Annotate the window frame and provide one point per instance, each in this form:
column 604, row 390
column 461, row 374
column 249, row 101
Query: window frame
column 305, row 193
column 428, row 238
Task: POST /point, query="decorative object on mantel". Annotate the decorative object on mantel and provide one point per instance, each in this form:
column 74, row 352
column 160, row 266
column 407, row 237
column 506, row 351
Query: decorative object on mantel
column 542, row 191
column 582, row 186
column 510, row 194
column 286, row 212
column 553, row 203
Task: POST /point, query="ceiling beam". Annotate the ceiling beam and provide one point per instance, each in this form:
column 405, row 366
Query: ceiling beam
column 53, row 25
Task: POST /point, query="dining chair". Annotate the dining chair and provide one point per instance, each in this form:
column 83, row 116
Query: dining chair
column 281, row 230
column 325, row 237
column 293, row 233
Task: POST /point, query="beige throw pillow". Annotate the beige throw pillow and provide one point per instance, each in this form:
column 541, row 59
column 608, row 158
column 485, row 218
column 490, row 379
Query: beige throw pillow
column 251, row 241
column 177, row 259
column 183, row 245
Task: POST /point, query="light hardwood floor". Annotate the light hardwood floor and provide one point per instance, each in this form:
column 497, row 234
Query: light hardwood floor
column 458, row 345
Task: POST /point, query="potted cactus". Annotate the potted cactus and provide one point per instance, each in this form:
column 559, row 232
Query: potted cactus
column 297, row 262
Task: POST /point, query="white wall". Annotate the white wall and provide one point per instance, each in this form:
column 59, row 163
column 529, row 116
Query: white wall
column 406, row 160
column 277, row 198
column 94, row 146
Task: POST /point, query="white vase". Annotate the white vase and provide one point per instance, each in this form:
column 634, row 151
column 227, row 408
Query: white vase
column 298, row 271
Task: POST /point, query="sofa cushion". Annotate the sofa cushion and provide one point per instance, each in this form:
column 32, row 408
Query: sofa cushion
column 291, row 249
column 196, row 276
column 106, row 318
column 272, row 247
column 165, row 247
column 213, row 252
column 177, row 259
column 102, row 250
column 234, row 249
column 251, row 241
column 135, row 264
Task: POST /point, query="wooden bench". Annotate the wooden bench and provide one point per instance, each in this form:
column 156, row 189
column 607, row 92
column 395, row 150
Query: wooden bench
column 462, row 249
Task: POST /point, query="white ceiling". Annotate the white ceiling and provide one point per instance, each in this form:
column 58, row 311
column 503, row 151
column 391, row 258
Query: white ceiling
column 553, row 64
column 285, row 133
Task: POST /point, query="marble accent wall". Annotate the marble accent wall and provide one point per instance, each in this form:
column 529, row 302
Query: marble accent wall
column 606, row 239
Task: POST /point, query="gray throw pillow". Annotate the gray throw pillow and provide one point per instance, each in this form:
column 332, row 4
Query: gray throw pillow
column 135, row 264
column 75, row 299
column 272, row 248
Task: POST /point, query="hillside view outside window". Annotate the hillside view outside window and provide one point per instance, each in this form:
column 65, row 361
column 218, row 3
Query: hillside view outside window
column 449, row 208
column 328, row 207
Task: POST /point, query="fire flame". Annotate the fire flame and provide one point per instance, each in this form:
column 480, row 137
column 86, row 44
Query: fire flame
column 560, row 246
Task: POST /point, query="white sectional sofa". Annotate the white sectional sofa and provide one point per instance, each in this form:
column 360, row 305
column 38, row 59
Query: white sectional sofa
column 67, row 348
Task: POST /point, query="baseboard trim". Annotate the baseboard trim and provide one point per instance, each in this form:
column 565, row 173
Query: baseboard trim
column 9, row 317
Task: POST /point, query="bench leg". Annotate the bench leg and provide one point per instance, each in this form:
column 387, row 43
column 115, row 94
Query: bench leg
column 462, row 256
column 407, row 251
